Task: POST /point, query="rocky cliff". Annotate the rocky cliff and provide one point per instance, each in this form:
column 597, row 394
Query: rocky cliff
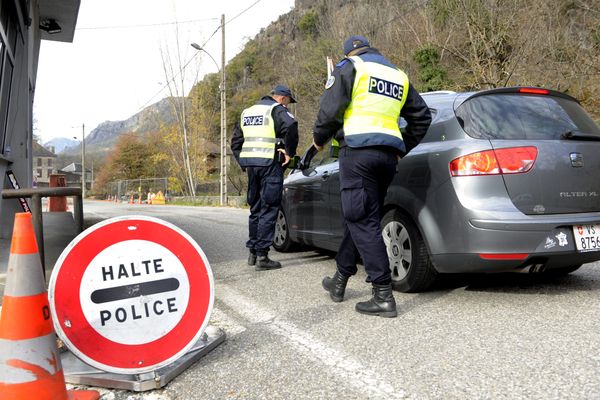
column 103, row 137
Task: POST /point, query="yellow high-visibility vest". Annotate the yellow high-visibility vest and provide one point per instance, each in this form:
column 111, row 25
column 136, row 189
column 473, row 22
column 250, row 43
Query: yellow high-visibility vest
column 378, row 95
column 258, row 128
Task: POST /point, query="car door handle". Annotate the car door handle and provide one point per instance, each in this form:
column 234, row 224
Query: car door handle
column 325, row 175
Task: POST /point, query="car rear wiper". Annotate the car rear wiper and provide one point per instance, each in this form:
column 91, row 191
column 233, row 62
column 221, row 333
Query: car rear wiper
column 579, row 136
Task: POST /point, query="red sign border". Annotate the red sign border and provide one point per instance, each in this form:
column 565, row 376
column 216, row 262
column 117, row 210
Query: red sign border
column 98, row 351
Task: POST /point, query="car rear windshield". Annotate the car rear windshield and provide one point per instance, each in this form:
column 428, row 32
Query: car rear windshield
column 519, row 116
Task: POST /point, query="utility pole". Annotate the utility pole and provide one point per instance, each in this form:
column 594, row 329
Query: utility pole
column 83, row 161
column 223, row 177
column 92, row 183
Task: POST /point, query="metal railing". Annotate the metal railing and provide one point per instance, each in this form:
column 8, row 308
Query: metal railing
column 36, row 195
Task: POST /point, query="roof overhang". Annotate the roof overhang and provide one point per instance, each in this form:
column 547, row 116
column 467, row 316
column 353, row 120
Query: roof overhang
column 64, row 12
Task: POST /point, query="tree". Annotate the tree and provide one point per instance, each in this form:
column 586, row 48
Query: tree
column 130, row 159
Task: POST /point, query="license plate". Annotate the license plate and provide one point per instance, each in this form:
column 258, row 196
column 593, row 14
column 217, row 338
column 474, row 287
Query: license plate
column 587, row 237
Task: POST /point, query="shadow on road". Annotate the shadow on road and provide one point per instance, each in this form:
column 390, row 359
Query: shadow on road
column 520, row 283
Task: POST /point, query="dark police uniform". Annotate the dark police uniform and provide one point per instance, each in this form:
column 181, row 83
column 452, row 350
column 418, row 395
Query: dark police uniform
column 262, row 129
column 360, row 108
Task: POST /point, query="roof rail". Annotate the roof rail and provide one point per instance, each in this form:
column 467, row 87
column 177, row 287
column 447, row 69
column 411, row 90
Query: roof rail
column 439, row 92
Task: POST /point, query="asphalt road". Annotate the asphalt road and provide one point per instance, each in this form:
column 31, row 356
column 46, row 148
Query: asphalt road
column 476, row 337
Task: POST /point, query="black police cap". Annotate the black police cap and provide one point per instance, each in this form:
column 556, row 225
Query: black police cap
column 355, row 42
column 283, row 90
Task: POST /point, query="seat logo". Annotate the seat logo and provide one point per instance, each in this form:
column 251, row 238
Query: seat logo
column 576, row 160
column 253, row 120
column 385, row 88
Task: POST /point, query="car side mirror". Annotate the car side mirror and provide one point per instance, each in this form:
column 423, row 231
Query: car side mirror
column 307, row 157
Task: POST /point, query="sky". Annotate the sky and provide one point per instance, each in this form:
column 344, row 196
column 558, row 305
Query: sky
column 114, row 68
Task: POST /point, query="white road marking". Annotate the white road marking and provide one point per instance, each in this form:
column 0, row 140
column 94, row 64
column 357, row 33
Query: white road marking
column 221, row 320
column 345, row 367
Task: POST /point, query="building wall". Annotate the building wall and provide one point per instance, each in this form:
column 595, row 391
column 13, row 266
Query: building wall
column 16, row 150
column 20, row 32
column 42, row 168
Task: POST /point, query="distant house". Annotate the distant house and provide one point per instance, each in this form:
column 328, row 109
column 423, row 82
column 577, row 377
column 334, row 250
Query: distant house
column 73, row 175
column 44, row 164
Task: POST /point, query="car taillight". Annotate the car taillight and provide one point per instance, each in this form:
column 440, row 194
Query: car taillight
column 512, row 160
column 533, row 91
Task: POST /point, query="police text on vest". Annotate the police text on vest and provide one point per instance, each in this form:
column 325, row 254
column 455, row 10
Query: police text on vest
column 385, row 88
column 253, row 120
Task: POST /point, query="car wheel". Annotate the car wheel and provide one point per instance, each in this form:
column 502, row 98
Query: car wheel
column 562, row 271
column 281, row 240
column 411, row 267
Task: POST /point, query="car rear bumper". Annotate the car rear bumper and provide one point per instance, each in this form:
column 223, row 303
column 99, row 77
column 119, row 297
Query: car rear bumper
column 473, row 263
column 501, row 245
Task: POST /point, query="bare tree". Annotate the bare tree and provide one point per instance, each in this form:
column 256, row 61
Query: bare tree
column 175, row 78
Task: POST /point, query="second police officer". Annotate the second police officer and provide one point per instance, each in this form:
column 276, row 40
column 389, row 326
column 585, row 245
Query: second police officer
column 361, row 108
column 262, row 143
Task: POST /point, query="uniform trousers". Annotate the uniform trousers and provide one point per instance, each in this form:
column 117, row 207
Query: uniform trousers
column 365, row 175
column 265, row 187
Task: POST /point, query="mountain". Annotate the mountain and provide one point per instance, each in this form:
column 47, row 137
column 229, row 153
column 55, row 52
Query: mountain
column 60, row 144
column 150, row 119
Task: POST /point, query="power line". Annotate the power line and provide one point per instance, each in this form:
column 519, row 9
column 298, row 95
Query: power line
column 190, row 60
column 166, row 85
column 252, row 5
column 144, row 25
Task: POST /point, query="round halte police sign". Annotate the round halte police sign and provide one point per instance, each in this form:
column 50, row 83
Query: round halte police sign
column 131, row 294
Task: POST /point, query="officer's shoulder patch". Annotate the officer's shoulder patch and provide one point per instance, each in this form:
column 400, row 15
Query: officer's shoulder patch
column 330, row 82
column 291, row 115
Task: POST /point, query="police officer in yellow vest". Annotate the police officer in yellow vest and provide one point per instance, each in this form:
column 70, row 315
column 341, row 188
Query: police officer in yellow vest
column 361, row 108
column 263, row 142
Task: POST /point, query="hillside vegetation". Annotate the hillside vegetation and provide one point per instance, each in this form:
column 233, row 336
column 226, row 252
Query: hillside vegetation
column 441, row 44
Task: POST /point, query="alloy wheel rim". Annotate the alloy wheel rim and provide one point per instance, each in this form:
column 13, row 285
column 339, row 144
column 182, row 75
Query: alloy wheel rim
column 399, row 249
column 280, row 229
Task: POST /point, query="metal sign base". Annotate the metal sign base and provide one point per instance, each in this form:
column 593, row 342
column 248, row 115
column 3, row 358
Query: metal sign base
column 79, row 373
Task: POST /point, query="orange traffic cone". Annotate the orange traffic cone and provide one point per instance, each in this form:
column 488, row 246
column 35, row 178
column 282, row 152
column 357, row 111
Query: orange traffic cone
column 30, row 365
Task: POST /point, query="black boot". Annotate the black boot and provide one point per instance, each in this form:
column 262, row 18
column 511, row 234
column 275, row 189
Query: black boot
column 382, row 304
column 264, row 263
column 251, row 259
column 336, row 286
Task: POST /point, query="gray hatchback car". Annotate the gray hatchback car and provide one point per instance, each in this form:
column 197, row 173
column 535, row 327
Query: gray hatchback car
column 505, row 180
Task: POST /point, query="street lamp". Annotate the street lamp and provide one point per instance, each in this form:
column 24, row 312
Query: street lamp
column 223, row 175
column 82, row 160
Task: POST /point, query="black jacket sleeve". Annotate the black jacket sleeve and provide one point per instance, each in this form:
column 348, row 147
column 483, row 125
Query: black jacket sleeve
column 333, row 103
column 237, row 141
column 418, row 118
column 286, row 128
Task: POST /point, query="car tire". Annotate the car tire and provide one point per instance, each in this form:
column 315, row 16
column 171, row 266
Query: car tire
column 410, row 264
column 281, row 240
column 562, row 271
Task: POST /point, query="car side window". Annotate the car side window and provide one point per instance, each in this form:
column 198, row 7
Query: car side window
column 327, row 160
column 323, row 157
